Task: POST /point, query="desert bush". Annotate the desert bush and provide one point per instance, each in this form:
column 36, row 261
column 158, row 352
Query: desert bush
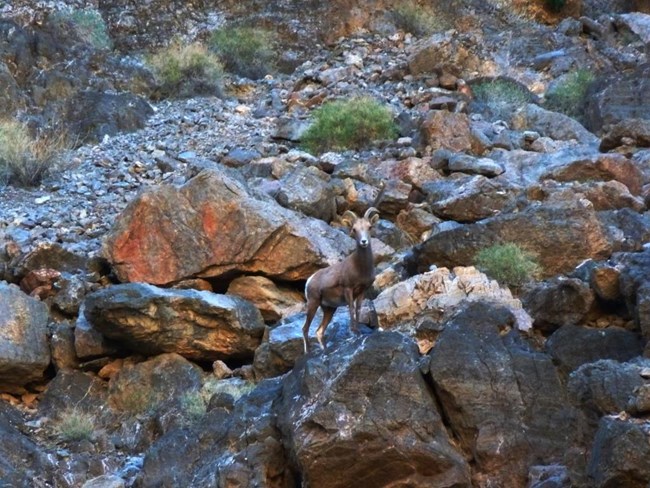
column 194, row 406
column 417, row 19
column 569, row 94
column 26, row 160
column 246, row 51
column 74, row 425
column 184, row 70
column 349, row 124
column 89, row 25
column 498, row 98
column 508, row 263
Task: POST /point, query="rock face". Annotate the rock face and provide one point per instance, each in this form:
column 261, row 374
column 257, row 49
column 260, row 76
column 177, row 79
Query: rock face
column 238, row 448
column 620, row 454
column 560, row 235
column 22, row 463
column 572, row 345
column 619, row 96
column 196, row 324
column 502, row 399
column 24, row 350
column 363, row 414
column 224, row 229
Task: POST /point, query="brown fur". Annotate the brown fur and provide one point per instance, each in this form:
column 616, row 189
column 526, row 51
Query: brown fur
column 344, row 282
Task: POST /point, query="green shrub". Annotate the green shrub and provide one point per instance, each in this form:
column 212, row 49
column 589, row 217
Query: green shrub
column 349, row 124
column 89, row 25
column 186, row 70
column 74, row 425
column 420, row 21
column 246, row 51
column 569, row 94
column 498, row 98
column 507, row 263
column 26, row 160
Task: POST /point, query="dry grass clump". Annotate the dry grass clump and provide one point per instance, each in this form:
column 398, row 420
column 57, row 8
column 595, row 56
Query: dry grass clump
column 24, row 159
column 73, row 425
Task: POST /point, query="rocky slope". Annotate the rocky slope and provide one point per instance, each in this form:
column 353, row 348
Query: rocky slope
column 152, row 290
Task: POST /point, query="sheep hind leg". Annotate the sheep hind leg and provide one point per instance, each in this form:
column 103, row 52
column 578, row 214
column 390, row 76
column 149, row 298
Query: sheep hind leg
column 312, row 307
column 328, row 313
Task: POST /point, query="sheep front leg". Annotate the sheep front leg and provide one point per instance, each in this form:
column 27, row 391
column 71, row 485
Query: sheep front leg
column 349, row 298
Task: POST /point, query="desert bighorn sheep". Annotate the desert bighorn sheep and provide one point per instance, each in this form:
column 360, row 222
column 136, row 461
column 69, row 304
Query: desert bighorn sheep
column 344, row 282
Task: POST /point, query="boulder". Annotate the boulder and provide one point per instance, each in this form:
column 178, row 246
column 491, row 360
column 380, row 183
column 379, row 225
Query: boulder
column 364, row 413
column 595, row 167
column 414, row 171
column 308, row 190
column 153, row 385
column 470, row 198
column 464, row 163
column 555, row 125
column 89, row 343
column 635, row 287
column 503, row 399
column 23, row 464
column 447, row 130
column 91, row 115
column 605, row 387
column 440, row 292
column 283, row 345
column 628, row 132
column 74, row 389
column 273, row 301
column 452, row 51
column 572, row 346
column 238, row 445
column 560, row 235
column 619, row 456
column 212, row 226
column 24, row 349
column 558, row 301
column 198, row 325
column 618, row 96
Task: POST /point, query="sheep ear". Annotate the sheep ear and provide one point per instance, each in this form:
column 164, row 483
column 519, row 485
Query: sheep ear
column 348, row 218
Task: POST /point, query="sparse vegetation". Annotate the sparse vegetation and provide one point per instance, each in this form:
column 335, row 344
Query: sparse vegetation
column 246, row 51
column 499, row 98
column 89, row 25
column 569, row 94
column 508, row 263
column 186, row 70
column 74, row 425
column 349, row 124
column 194, row 405
column 26, row 160
column 139, row 402
column 417, row 19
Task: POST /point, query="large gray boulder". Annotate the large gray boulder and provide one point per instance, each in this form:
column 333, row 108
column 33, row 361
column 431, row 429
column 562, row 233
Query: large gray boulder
column 198, row 325
column 620, row 454
column 24, row 349
column 362, row 413
column 504, row 400
column 230, row 446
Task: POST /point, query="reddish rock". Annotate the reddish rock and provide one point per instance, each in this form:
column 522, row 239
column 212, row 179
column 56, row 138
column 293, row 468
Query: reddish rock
column 442, row 129
column 212, row 226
